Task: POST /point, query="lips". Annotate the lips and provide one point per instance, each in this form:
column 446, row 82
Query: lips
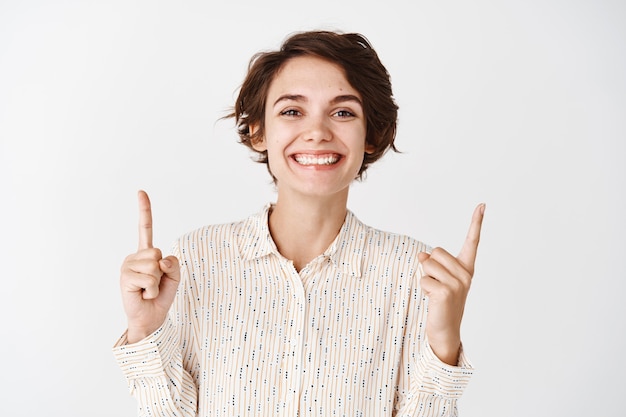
column 325, row 159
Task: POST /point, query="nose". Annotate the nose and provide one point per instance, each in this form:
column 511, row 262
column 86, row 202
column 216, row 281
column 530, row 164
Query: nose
column 318, row 129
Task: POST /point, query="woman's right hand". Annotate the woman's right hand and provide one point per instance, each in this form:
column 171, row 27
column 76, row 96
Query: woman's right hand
column 148, row 281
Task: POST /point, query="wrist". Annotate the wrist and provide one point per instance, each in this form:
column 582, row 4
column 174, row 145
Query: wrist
column 447, row 350
column 137, row 334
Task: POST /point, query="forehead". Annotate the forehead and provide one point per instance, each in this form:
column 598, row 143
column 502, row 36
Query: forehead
column 310, row 75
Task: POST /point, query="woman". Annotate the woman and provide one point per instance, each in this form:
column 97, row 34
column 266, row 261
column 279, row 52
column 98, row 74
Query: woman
column 300, row 309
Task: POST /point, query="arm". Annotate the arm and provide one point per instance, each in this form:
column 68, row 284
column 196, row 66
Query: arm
column 428, row 387
column 150, row 353
column 434, row 368
column 159, row 369
column 156, row 374
column 446, row 280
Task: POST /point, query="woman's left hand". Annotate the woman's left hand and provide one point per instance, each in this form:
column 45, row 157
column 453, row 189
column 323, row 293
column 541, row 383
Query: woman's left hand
column 446, row 282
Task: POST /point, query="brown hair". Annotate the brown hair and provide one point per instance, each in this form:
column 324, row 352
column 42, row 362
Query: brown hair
column 363, row 70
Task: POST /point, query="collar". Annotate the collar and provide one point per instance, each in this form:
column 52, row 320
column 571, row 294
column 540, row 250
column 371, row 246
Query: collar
column 345, row 252
column 254, row 236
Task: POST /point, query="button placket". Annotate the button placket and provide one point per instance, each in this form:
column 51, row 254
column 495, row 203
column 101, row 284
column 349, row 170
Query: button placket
column 293, row 338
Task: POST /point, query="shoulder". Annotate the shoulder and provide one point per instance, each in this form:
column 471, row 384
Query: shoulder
column 385, row 242
column 366, row 250
column 377, row 255
column 229, row 237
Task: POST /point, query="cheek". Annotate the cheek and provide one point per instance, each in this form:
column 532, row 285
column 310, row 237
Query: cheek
column 274, row 149
column 359, row 131
column 357, row 136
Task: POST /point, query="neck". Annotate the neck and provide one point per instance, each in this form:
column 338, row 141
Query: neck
column 304, row 228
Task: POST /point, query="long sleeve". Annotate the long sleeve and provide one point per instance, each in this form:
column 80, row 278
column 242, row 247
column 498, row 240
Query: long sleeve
column 248, row 335
column 156, row 368
column 429, row 387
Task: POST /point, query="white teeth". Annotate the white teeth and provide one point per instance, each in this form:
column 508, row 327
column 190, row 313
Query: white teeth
column 316, row 160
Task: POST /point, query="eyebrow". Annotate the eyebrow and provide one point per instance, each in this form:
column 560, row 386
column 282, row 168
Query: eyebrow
column 299, row 97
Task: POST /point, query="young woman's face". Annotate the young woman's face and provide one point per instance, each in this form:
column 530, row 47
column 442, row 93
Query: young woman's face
column 314, row 129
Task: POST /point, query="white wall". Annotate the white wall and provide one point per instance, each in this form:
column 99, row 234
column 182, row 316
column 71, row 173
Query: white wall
column 521, row 104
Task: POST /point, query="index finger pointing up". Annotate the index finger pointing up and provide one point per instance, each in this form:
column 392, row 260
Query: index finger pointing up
column 467, row 256
column 145, row 220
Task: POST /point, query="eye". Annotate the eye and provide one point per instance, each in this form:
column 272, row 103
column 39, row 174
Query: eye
column 344, row 114
column 290, row 112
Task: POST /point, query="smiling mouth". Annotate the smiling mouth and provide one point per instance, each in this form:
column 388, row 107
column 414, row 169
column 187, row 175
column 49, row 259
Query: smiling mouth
column 329, row 159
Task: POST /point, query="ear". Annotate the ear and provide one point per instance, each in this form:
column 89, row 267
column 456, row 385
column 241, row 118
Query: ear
column 258, row 144
column 369, row 148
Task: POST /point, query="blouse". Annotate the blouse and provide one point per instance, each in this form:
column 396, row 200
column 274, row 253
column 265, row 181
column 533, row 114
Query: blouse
column 249, row 335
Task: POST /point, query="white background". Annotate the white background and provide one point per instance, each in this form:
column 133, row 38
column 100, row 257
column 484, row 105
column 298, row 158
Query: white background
column 521, row 104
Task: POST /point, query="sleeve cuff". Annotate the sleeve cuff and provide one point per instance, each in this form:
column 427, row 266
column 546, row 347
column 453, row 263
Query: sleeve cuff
column 439, row 378
column 147, row 357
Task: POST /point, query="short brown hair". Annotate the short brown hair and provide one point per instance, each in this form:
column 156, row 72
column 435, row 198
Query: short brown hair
column 363, row 70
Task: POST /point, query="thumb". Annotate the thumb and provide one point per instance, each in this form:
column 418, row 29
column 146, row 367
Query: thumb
column 170, row 279
column 170, row 267
column 422, row 256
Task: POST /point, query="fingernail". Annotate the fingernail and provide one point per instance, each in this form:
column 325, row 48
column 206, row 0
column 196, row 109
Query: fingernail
column 167, row 263
column 482, row 208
